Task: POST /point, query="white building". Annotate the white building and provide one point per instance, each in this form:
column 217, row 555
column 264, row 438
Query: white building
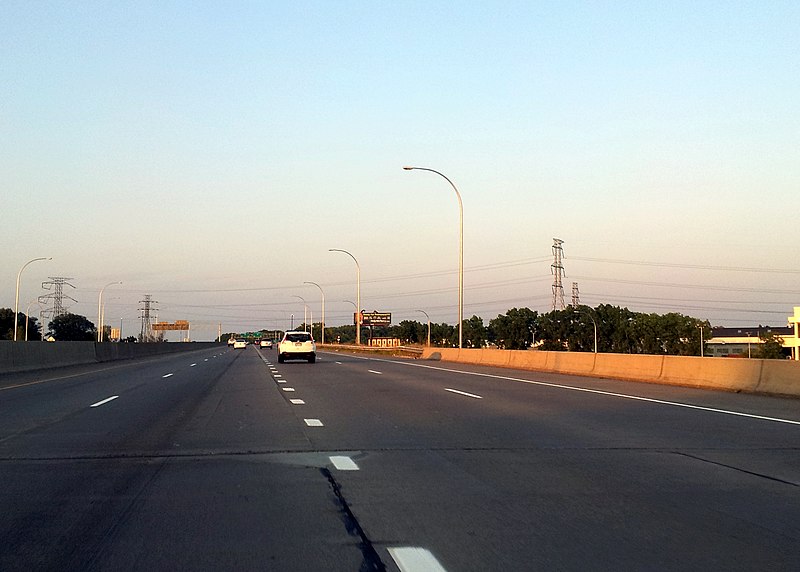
column 742, row 342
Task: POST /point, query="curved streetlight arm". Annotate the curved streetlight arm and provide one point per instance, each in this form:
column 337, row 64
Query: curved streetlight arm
column 16, row 296
column 358, row 293
column 322, row 341
column 305, row 311
column 429, row 326
column 594, row 323
column 460, row 249
column 100, row 310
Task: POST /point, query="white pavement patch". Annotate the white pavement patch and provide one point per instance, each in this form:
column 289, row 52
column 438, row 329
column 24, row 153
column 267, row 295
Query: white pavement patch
column 168, row 375
column 413, row 559
column 343, row 463
column 297, row 402
column 313, row 422
column 463, row 393
column 99, row 403
column 288, row 388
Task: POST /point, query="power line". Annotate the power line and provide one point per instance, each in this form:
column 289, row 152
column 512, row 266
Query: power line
column 688, row 266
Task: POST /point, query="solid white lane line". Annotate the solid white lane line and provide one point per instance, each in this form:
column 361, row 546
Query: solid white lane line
column 607, row 393
column 375, row 372
column 168, row 375
column 463, row 393
column 99, row 403
column 414, row 559
column 297, row 402
column 313, row 422
column 288, row 388
column 343, row 463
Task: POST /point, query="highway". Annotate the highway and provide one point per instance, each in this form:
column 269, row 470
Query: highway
column 223, row 459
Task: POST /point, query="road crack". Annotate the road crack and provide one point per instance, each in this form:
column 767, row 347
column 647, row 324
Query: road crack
column 371, row 559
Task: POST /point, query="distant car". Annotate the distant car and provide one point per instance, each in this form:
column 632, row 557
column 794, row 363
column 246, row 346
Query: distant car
column 239, row 344
column 265, row 343
column 297, row 345
column 231, row 341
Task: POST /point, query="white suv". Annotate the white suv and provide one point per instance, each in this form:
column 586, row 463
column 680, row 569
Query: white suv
column 297, row 345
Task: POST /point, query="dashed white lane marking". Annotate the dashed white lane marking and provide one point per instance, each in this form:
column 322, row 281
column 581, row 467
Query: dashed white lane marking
column 606, row 393
column 414, row 559
column 297, row 402
column 168, row 375
column 343, row 463
column 276, row 375
column 281, row 380
column 205, row 359
column 99, row 403
column 288, row 388
column 375, row 372
column 463, row 393
column 194, row 364
column 339, row 363
column 313, row 422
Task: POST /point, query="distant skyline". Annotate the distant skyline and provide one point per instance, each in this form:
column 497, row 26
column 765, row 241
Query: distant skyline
column 210, row 155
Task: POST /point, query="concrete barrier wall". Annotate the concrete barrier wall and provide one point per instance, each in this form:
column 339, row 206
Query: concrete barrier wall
column 775, row 377
column 28, row 356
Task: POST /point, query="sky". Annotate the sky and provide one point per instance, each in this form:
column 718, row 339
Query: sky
column 210, row 155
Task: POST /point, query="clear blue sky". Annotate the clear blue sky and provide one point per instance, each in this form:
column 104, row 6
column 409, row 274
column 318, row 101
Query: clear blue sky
column 225, row 147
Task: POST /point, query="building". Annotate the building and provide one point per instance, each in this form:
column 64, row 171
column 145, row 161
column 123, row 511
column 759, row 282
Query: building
column 741, row 342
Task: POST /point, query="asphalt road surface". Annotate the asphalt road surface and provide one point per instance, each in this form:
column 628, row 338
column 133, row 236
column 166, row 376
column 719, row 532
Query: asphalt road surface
column 222, row 459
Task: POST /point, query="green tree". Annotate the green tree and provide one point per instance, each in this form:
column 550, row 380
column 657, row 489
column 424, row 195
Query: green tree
column 73, row 328
column 474, row 333
column 7, row 326
column 771, row 346
column 515, row 329
column 411, row 331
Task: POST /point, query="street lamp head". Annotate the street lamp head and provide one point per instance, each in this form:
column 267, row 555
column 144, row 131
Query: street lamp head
column 408, row 168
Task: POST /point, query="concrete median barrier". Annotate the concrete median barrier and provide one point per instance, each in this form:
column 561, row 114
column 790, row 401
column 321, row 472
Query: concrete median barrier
column 29, row 356
column 774, row 377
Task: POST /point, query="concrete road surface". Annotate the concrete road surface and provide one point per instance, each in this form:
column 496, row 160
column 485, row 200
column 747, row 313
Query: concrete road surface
column 222, row 460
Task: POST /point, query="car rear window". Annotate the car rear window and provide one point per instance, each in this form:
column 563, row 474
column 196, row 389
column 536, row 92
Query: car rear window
column 298, row 337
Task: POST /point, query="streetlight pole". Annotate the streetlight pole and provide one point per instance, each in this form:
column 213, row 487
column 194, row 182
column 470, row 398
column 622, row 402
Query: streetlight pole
column 305, row 312
column 460, row 250
column 27, row 316
column 100, row 310
column 16, row 296
column 323, row 308
column 702, row 341
column 594, row 323
column 429, row 326
column 358, row 293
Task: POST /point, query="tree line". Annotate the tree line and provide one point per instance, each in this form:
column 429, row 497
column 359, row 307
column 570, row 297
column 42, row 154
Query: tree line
column 618, row 330
column 66, row 327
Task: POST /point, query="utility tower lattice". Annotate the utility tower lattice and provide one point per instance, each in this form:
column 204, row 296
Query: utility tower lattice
column 56, row 284
column 576, row 296
column 557, row 270
column 146, row 335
